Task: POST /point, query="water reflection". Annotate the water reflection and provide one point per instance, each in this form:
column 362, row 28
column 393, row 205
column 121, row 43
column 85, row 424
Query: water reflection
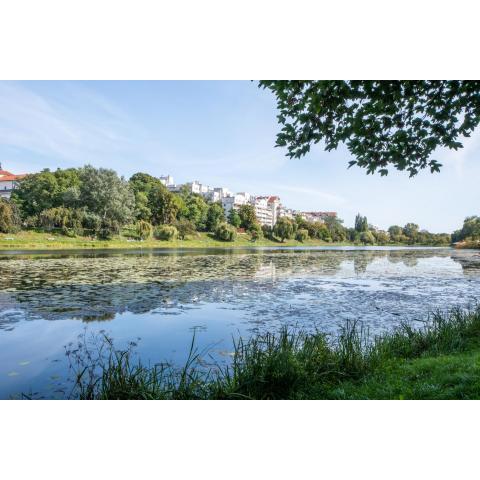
column 47, row 300
column 96, row 287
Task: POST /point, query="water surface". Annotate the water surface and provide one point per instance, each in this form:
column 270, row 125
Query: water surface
column 162, row 297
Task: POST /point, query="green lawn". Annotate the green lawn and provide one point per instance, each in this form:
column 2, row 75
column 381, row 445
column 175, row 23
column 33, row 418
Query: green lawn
column 455, row 376
column 30, row 240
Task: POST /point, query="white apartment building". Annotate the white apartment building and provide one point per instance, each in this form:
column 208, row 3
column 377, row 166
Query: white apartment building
column 235, row 201
column 263, row 211
column 167, row 180
column 286, row 212
column 317, row 216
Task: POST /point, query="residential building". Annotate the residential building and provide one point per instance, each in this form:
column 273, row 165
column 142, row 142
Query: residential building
column 8, row 182
column 317, row 216
column 167, row 180
column 274, row 205
column 234, row 201
column 267, row 209
column 263, row 211
column 286, row 212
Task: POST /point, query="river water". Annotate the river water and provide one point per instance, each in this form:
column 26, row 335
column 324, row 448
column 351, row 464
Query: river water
column 159, row 299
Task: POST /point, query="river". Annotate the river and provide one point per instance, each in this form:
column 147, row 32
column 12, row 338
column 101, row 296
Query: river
column 159, row 299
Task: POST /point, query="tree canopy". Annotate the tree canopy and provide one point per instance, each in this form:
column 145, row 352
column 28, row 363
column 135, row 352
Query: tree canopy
column 397, row 123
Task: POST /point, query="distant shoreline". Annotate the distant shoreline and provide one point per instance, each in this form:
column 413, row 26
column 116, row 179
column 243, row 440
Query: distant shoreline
column 25, row 242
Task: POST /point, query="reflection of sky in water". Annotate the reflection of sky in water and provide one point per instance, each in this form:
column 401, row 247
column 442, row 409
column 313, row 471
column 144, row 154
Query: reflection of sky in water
column 46, row 301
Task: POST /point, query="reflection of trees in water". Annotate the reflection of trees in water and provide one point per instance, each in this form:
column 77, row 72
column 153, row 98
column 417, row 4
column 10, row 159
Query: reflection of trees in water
column 470, row 262
column 96, row 288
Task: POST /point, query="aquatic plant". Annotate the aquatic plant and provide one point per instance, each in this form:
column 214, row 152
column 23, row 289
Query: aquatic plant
column 294, row 364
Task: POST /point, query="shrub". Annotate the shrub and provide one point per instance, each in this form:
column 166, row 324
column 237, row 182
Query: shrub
column 255, row 232
column 302, row 235
column 283, row 228
column 267, row 231
column 165, row 232
column 92, row 223
column 9, row 217
column 185, row 227
column 108, row 229
column 225, row 232
column 67, row 220
column 144, row 229
column 31, row 221
column 367, row 238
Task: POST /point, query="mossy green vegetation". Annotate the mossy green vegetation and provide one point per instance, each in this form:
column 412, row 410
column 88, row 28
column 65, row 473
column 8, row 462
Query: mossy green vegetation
column 440, row 360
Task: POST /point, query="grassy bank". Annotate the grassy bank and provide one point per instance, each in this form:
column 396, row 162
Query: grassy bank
column 31, row 240
column 441, row 360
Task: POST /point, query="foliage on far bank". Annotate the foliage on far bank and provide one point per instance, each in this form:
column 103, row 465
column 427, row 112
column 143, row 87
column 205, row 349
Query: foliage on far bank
column 97, row 203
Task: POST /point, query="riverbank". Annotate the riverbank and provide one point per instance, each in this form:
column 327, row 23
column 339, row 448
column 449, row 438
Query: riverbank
column 468, row 244
column 31, row 240
column 439, row 361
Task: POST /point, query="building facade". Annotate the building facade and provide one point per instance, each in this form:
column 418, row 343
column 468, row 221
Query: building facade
column 8, row 182
column 317, row 216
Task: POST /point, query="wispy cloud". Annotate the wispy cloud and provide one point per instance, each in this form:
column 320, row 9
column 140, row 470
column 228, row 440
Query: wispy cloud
column 77, row 131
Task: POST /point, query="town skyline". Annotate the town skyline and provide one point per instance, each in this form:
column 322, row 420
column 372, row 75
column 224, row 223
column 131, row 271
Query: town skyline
column 219, row 133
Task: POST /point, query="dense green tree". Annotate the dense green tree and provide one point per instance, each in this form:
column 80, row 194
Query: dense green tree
column 395, row 230
column 383, row 123
column 337, row 231
column 163, row 204
column 410, row 230
column 141, row 185
column 234, row 218
column 143, row 182
column 381, row 237
column 9, row 216
column 103, row 192
column 361, row 223
column 46, row 189
column 470, row 230
column 283, row 228
column 196, row 210
column 142, row 210
column 36, row 192
column 215, row 216
column 247, row 215
column 318, row 230
column 367, row 238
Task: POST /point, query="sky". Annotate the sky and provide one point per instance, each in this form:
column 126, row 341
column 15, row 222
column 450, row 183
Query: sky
column 221, row 133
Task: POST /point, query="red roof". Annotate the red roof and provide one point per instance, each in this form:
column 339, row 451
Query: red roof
column 7, row 176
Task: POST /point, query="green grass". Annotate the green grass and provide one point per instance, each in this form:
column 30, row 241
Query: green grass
column 32, row 240
column 441, row 360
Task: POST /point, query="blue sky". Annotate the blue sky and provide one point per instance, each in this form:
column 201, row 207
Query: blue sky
column 222, row 134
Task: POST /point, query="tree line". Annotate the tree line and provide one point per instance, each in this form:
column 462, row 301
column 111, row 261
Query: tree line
column 97, row 202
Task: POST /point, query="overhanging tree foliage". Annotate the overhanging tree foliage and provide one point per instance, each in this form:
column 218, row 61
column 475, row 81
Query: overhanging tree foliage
column 383, row 123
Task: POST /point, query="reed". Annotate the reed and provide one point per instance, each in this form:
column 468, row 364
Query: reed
column 293, row 364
